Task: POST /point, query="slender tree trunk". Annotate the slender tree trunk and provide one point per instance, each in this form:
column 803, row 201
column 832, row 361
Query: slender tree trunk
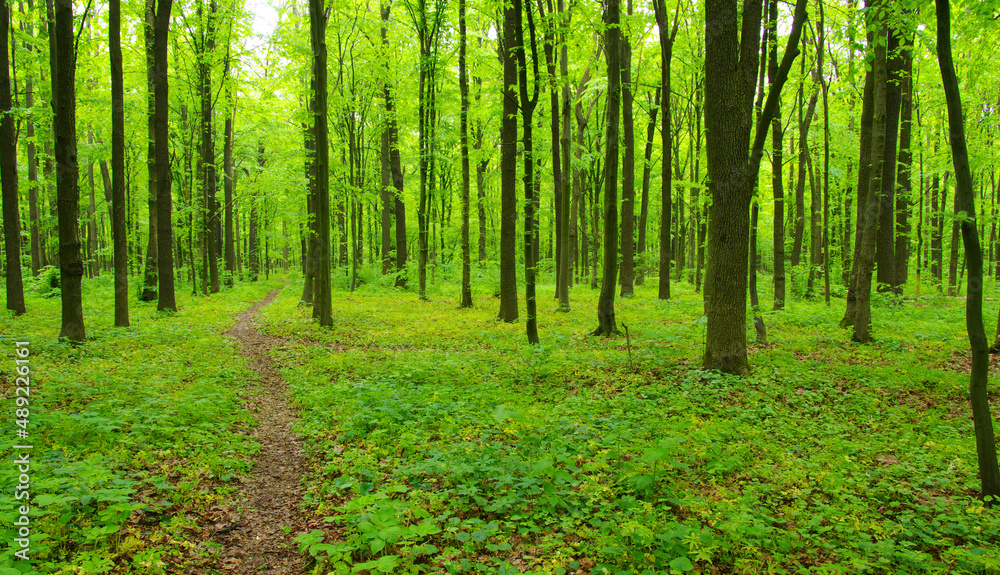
column 885, row 256
column 227, row 166
column 565, row 250
column 628, row 169
column 463, row 83
column 508, row 170
column 778, row 229
column 527, row 111
column 150, row 277
column 904, row 191
column 989, row 473
column 647, row 169
column 118, row 208
column 666, row 186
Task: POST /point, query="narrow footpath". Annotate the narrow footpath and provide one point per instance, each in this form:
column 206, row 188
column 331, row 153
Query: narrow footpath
column 271, row 497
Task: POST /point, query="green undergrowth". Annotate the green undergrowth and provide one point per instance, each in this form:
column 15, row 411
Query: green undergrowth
column 441, row 442
column 136, row 435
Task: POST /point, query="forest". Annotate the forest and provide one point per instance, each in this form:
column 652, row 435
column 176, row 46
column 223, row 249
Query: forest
column 505, row 286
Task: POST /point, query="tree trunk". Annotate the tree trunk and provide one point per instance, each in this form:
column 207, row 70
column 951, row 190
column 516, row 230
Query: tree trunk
column 666, row 186
column 118, row 208
column 904, row 192
column 508, row 171
column 733, row 166
column 8, row 174
column 527, row 111
column 885, row 248
column 463, row 83
column 164, row 236
column 989, row 473
column 606, row 324
column 868, row 237
column 628, row 169
column 647, row 169
column 67, row 175
column 778, row 191
column 150, row 276
column 565, row 250
column 322, row 296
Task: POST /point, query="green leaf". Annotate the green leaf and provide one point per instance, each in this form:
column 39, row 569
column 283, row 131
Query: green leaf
column 682, row 564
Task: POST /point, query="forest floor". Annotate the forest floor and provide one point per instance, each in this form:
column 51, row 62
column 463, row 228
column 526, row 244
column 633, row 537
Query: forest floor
column 236, row 436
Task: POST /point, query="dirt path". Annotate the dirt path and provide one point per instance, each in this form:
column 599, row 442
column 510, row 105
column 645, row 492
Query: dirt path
column 271, row 497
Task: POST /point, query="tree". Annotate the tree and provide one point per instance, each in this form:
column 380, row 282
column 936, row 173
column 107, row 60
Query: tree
column 164, row 235
column 8, row 173
column 989, row 474
column 777, row 186
column 463, row 83
column 508, row 169
column 606, row 324
column 628, row 169
column 868, row 237
column 118, row 207
column 733, row 166
column 322, row 298
column 565, row 277
column 67, row 174
column 150, row 275
column 666, row 55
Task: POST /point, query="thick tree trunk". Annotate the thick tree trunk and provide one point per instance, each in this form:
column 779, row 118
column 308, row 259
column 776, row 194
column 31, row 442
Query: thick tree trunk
column 164, row 235
column 606, row 324
column 733, row 165
column 118, row 208
column 322, row 296
column 989, row 473
column 8, row 175
column 508, row 171
column 868, row 237
column 67, row 175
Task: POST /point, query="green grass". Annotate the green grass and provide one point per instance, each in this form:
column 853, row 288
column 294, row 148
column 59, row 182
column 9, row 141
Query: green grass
column 136, row 434
column 441, row 442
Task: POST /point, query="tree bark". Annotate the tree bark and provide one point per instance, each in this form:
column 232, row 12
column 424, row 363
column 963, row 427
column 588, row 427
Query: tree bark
column 508, row 171
column 118, row 207
column 733, row 165
column 666, row 134
column 150, row 276
column 527, row 107
column 565, row 250
column 463, row 83
column 322, row 296
column 989, row 473
column 628, row 170
column 777, row 145
column 67, row 174
column 885, row 247
column 868, row 237
column 164, row 236
column 904, row 189
column 8, row 175
column 606, row 325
